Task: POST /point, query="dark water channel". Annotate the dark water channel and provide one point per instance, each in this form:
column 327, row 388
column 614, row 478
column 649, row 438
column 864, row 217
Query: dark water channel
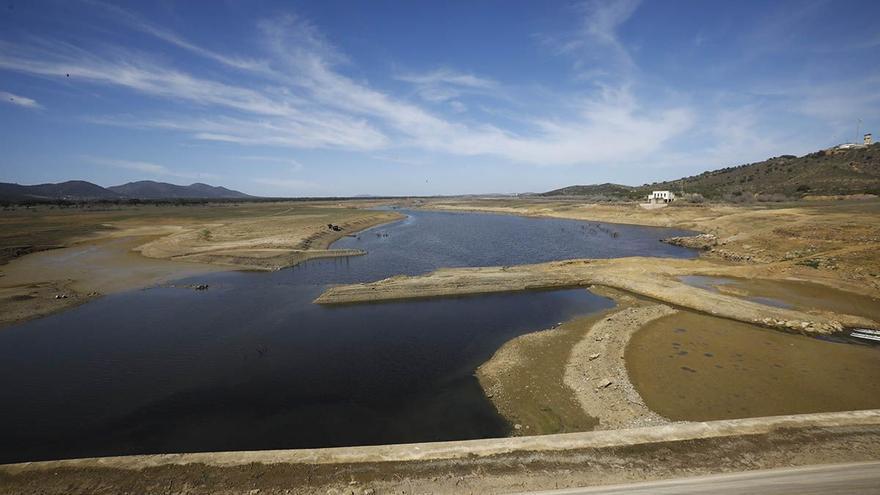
column 251, row 363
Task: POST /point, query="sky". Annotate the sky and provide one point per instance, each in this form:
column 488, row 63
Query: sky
column 344, row 98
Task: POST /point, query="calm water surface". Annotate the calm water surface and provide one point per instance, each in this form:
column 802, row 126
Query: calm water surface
column 251, row 363
column 695, row 367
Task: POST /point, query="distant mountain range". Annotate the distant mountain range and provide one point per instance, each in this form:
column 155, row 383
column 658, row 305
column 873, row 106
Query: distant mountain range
column 827, row 172
column 147, row 189
column 79, row 190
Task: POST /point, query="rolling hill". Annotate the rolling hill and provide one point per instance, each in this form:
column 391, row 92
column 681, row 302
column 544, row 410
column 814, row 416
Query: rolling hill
column 825, row 172
column 595, row 190
column 77, row 190
column 73, row 189
column 147, row 189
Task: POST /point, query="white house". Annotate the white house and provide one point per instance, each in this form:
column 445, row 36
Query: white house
column 661, row 197
column 867, row 140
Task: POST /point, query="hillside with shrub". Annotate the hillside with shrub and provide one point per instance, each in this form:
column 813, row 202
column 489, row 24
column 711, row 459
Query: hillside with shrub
column 829, row 172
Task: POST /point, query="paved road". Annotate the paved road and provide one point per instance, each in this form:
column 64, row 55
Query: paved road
column 837, row 479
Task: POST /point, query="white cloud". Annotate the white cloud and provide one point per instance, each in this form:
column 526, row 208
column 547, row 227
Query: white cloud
column 138, row 23
column 49, row 58
column 841, row 102
column 153, row 169
column 22, row 101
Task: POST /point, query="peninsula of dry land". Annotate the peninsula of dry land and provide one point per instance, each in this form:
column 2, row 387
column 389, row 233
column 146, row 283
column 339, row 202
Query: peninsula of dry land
column 56, row 257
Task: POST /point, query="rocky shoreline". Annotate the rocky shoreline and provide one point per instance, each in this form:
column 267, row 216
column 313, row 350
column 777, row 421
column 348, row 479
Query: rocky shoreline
column 596, row 370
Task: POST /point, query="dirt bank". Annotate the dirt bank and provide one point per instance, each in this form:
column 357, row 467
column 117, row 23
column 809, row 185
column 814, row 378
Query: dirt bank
column 50, row 281
column 100, row 250
column 649, row 277
column 268, row 242
column 524, row 380
column 481, row 466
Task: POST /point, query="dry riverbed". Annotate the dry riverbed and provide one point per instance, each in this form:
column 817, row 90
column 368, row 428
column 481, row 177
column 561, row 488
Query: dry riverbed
column 57, row 258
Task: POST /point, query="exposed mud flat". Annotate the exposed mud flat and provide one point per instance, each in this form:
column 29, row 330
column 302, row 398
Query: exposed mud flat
column 49, row 281
column 695, row 367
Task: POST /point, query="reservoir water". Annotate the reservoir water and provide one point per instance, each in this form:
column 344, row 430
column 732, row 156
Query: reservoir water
column 251, row 363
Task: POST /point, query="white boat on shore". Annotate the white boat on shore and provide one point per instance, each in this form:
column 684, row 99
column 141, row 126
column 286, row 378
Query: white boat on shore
column 866, row 336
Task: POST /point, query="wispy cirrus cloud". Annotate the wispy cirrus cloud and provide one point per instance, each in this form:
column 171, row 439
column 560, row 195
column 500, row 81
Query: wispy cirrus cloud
column 298, row 96
column 287, row 185
column 449, row 77
column 114, row 67
column 444, row 85
column 293, row 164
column 21, row 101
column 595, row 45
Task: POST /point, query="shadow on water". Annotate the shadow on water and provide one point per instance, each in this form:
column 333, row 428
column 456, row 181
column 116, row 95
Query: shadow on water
column 251, row 363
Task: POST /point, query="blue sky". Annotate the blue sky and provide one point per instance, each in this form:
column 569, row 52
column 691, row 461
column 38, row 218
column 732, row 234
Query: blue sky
column 346, row 98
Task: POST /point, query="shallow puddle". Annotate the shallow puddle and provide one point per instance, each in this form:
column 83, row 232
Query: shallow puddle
column 804, row 296
column 689, row 366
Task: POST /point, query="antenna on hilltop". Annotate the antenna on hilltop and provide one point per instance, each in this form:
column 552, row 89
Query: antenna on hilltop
column 858, row 130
